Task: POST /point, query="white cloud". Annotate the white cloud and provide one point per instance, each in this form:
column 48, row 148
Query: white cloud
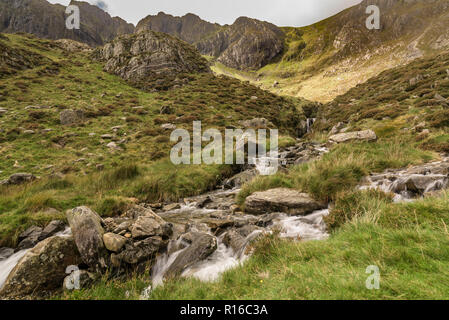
column 279, row 12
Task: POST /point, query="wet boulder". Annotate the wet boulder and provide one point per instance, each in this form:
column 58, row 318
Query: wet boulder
column 88, row 234
column 284, row 200
column 51, row 229
column 5, row 253
column 420, row 184
column 29, row 238
column 203, row 245
column 42, row 269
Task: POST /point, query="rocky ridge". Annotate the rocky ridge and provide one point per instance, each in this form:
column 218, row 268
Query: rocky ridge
column 46, row 20
column 151, row 59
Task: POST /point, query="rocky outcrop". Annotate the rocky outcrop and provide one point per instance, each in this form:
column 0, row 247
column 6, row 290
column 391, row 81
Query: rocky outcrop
column 88, row 233
column 367, row 135
column 42, row 269
column 47, row 20
column 246, row 44
column 72, row 45
column 151, row 59
column 189, row 28
column 284, row 200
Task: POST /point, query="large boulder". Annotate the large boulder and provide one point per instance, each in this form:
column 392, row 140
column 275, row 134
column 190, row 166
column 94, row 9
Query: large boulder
column 203, row 245
column 42, row 269
column 283, row 200
column 88, row 233
column 366, row 135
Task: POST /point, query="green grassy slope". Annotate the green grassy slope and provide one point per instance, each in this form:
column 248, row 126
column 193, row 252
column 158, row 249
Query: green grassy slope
column 407, row 241
column 59, row 80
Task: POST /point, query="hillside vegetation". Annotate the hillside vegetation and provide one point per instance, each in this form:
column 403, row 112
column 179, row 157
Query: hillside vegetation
column 326, row 59
column 407, row 241
column 75, row 163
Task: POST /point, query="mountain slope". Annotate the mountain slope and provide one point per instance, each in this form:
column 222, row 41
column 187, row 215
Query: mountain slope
column 46, row 20
column 246, row 44
column 326, row 59
column 189, row 28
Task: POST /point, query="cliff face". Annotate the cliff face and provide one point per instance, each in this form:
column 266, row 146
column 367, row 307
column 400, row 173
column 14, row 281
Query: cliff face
column 46, row 20
column 189, row 28
column 246, row 44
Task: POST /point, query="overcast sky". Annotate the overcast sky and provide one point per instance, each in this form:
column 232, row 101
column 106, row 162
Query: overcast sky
column 280, row 12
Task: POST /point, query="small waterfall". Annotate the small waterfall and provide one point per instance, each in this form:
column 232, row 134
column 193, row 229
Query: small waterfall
column 304, row 228
column 7, row 265
column 310, row 122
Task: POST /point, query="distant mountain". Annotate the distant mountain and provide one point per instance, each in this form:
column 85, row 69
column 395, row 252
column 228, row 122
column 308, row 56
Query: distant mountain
column 246, row 44
column 189, row 28
column 46, row 20
column 324, row 60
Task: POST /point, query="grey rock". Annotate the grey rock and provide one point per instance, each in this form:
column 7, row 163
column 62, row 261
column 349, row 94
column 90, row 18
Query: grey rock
column 149, row 226
column 283, row 200
column 88, row 233
column 42, row 269
column 51, row 229
column 29, row 238
column 5, row 253
column 203, row 245
column 143, row 55
column 19, row 178
column 367, row 135
column 139, row 252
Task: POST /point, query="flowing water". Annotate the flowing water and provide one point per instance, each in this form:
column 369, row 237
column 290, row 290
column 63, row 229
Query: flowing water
column 7, row 265
column 304, row 228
